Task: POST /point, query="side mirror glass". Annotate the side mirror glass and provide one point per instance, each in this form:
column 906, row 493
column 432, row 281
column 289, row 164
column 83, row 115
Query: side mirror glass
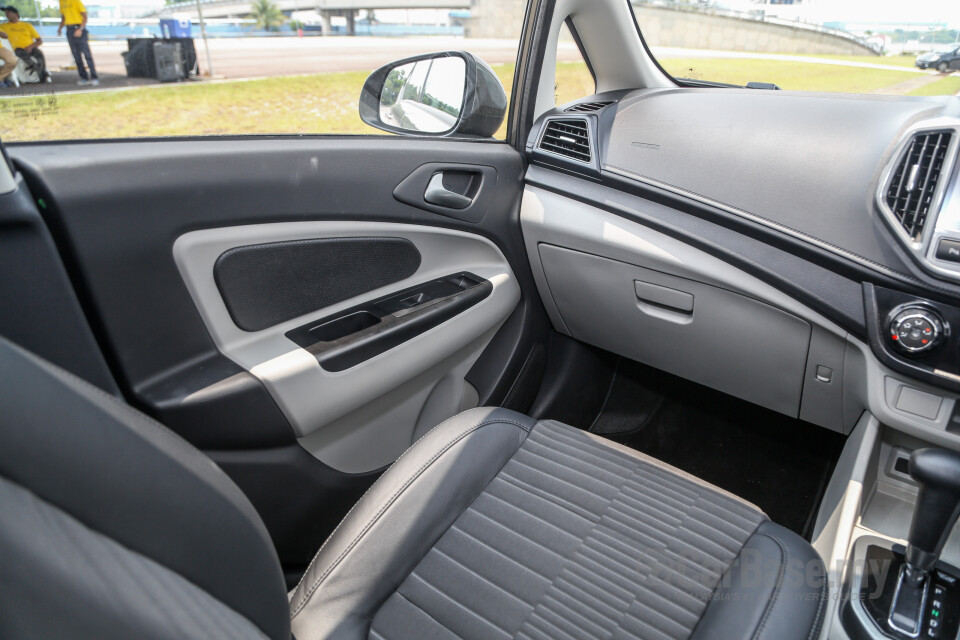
column 440, row 94
column 424, row 96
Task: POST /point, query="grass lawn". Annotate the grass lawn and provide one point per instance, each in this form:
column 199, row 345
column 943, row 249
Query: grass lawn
column 327, row 103
column 947, row 86
column 294, row 104
column 891, row 61
column 796, row 76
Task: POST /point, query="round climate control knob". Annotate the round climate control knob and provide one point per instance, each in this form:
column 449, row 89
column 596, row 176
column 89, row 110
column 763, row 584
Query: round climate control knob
column 916, row 330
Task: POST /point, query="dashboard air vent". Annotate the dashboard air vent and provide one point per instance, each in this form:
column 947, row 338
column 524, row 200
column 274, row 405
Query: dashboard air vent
column 914, row 182
column 587, row 107
column 569, row 137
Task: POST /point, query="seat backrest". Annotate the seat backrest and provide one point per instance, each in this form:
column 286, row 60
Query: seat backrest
column 113, row 526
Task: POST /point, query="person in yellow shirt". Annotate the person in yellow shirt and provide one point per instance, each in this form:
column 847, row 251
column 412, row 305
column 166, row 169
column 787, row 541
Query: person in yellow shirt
column 25, row 41
column 73, row 16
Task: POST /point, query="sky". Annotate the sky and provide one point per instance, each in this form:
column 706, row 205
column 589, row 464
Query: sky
column 861, row 11
column 890, row 11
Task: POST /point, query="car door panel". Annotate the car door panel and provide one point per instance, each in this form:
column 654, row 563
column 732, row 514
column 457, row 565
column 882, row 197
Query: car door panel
column 310, row 395
column 118, row 209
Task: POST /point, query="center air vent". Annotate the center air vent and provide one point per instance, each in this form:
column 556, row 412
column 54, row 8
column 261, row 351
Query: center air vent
column 587, row 107
column 568, row 137
column 911, row 190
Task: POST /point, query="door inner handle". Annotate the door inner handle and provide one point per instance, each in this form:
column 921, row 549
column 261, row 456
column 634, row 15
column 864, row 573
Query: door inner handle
column 442, row 197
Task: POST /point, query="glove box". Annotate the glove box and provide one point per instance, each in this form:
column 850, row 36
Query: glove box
column 724, row 340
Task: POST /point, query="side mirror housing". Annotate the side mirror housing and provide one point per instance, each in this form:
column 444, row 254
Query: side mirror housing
column 451, row 93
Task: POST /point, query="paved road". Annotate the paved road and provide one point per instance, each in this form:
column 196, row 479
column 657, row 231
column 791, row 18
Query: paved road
column 259, row 57
column 235, row 58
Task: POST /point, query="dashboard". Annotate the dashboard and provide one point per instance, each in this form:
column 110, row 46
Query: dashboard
column 848, row 203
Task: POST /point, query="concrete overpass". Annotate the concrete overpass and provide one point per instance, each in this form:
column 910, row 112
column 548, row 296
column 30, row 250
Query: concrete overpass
column 326, row 9
column 680, row 25
column 669, row 23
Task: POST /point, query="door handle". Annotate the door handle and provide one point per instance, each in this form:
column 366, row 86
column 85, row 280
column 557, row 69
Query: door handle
column 442, row 197
column 476, row 182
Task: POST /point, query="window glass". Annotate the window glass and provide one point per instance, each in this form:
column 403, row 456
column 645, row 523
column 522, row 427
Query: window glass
column 263, row 67
column 892, row 47
column 573, row 77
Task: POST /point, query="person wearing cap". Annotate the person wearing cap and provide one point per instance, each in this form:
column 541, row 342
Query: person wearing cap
column 73, row 16
column 25, row 41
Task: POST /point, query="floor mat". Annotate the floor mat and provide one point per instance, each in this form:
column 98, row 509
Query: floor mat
column 780, row 464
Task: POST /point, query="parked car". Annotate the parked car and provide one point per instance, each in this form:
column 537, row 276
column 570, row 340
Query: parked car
column 943, row 60
column 671, row 360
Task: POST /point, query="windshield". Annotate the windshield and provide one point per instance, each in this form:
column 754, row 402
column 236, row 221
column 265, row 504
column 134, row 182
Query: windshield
column 850, row 46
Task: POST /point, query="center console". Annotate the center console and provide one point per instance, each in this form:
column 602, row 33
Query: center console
column 877, row 601
column 887, row 530
column 907, row 592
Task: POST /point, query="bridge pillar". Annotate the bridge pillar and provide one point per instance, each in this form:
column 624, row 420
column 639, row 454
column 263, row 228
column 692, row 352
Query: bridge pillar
column 325, row 22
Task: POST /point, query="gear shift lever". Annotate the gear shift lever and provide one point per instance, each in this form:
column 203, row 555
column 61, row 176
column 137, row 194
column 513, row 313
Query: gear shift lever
column 937, row 472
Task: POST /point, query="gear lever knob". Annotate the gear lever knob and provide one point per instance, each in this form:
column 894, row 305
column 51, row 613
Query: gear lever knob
column 937, row 472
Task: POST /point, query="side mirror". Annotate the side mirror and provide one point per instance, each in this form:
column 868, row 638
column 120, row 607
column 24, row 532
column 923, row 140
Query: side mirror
column 438, row 94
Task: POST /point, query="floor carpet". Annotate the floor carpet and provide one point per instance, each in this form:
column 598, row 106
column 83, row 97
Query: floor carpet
column 780, row 464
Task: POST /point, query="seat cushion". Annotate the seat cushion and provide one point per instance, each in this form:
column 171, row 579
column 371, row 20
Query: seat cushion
column 539, row 530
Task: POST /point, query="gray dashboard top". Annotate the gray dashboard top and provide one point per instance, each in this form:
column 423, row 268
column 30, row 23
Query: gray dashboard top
column 803, row 163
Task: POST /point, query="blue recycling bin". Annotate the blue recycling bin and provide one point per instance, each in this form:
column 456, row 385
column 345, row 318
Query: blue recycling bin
column 173, row 28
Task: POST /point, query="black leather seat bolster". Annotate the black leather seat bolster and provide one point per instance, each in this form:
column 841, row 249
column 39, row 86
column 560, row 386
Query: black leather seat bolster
column 399, row 519
column 775, row 590
column 130, row 479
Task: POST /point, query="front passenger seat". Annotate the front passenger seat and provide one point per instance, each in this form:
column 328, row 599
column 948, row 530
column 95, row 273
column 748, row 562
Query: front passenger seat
column 492, row 526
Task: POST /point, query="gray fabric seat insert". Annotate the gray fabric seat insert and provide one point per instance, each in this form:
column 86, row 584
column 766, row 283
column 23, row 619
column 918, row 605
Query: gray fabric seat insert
column 574, row 538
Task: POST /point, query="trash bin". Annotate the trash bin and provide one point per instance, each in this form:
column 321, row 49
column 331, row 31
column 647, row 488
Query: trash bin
column 138, row 60
column 169, row 65
column 175, row 28
column 141, row 59
column 188, row 55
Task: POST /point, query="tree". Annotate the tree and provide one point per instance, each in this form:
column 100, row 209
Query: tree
column 28, row 10
column 267, row 14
